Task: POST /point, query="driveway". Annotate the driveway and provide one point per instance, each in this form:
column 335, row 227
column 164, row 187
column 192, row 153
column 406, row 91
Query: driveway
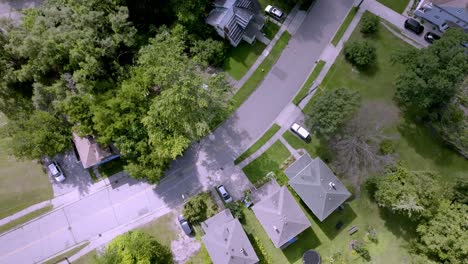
column 205, row 164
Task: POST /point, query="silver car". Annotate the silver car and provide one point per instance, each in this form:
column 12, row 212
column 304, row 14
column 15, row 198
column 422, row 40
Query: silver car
column 224, row 193
column 56, row 172
column 184, row 224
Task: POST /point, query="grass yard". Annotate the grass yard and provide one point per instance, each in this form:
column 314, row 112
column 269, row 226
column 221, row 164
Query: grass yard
column 22, row 183
column 269, row 161
column 87, row 258
column 25, row 218
column 240, row 59
column 316, row 147
column 397, row 5
column 416, row 147
column 308, row 83
column 164, row 229
column 257, row 77
column 270, row 29
column 257, row 145
column 339, row 34
column 110, row 168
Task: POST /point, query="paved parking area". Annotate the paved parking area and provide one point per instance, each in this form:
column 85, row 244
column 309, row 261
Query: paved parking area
column 77, row 177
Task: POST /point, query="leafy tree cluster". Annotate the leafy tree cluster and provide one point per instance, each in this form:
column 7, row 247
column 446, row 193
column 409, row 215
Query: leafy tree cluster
column 134, row 247
column 369, row 23
column 433, row 86
column 360, row 53
column 83, row 66
column 439, row 211
column 199, row 208
column 331, row 109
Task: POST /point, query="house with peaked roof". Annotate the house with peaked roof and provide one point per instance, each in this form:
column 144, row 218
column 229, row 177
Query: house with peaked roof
column 281, row 217
column 226, row 241
column 444, row 13
column 91, row 153
column 317, row 186
column 236, row 20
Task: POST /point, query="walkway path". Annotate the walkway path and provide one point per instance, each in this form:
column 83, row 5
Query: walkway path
column 108, row 212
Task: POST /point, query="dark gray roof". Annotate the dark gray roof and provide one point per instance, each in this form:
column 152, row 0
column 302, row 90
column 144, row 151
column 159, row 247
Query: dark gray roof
column 317, row 186
column 226, row 240
column 281, row 216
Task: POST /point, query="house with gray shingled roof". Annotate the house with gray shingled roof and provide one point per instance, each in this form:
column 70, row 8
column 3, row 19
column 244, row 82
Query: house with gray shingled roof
column 444, row 13
column 281, row 217
column 226, row 241
column 317, row 186
column 236, row 20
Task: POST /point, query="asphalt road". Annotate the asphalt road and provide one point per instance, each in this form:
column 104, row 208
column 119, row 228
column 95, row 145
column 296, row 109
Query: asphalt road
column 204, row 165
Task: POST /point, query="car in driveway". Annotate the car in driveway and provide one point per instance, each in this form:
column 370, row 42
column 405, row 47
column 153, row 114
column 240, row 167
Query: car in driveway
column 301, row 132
column 414, row 25
column 274, row 12
column 56, row 171
column 184, row 224
column 431, row 37
column 224, row 194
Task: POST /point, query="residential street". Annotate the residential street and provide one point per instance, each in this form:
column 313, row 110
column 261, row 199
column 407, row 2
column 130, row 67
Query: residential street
column 206, row 164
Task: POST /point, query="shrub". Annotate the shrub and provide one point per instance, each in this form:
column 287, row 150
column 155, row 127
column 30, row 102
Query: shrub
column 236, row 209
column 369, row 23
column 360, row 53
column 387, row 146
column 198, row 208
column 361, row 249
column 372, row 234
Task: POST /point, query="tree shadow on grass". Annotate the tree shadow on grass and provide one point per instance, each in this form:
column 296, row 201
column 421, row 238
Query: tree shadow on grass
column 341, row 218
column 305, row 241
column 400, row 225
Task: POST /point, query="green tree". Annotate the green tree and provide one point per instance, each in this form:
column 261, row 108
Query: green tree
column 199, row 208
column 38, row 134
column 432, row 75
column 445, row 235
column 208, row 52
column 360, row 53
column 331, row 109
column 369, row 23
column 415, row 194
column 135, row 247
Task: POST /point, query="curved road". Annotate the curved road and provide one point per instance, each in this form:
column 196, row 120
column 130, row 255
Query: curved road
column 112, row 210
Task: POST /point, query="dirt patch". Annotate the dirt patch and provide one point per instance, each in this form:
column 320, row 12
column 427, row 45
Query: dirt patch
column 184, row 247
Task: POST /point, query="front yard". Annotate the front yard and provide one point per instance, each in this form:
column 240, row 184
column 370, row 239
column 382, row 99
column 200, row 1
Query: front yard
column 416, row 147
column 240, row 59
column 22, row 183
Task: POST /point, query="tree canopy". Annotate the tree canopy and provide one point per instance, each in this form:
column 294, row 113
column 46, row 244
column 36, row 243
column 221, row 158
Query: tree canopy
column 331, row 109
column 134, row 247
column 415, row 194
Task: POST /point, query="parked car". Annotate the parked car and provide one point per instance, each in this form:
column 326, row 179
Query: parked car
column 274, row 12
column 56, row 171
column 301, row 132
column 414, row 25
column 430, row 37
column 184, row 224
column 224, row 193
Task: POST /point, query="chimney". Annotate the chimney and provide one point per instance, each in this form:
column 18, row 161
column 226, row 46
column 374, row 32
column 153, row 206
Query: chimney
column 276, row 229
column 332, row 185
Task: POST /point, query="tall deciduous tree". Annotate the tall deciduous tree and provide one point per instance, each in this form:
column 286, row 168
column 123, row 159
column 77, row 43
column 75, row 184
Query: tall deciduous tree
column 444, row 236
column 331, row 109
column 135, row 247
column 413, row 193
column 38, row 134
column 432, row 75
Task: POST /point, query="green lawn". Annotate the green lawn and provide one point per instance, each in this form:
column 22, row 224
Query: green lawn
column 257, row 145
column 305, row 88
column 22, row 183
column 316, row 147
column 257, row 77
column 69, row 253
column 87, row 258
column 270, row 29
column 110, row 168
column 339, row 34
column 397, row 5
column 269, row 161
column 240, row 59
column 164, row 229
column 416, row 147
column 25, row 218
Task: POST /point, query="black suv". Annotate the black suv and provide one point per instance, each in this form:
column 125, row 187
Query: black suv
column 414, row 26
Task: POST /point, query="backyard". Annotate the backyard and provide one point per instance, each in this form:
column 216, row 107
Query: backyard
column 22, row 183
column 416, row 147
column 397, row 5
